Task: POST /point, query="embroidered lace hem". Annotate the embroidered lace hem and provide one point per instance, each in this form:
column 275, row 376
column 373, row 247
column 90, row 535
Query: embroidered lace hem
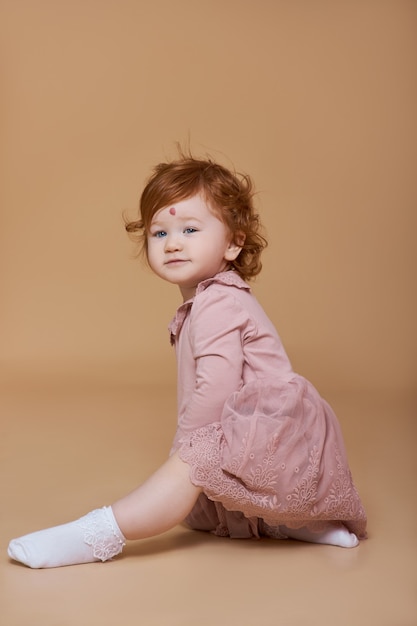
column 262, row 492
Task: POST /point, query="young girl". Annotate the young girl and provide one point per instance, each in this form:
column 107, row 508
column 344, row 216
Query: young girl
column 257, row 451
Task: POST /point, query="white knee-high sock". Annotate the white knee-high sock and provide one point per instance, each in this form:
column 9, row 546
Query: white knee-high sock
column 94, row 537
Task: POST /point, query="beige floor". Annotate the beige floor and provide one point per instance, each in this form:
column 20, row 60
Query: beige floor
column 67, row 449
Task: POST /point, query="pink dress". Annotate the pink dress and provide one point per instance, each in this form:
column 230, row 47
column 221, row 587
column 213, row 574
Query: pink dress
column 266, row 449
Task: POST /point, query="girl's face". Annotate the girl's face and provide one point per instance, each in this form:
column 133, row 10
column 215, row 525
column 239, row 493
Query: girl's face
column 188, row 243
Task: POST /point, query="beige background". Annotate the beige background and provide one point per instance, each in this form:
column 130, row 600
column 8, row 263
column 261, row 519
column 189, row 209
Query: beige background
column 316, row 100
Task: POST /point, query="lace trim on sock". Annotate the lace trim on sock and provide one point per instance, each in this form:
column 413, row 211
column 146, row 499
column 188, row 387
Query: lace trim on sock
column 101, row 535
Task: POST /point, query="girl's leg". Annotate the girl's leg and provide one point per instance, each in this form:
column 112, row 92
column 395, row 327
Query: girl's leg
column 160, row 503
column 163, row 501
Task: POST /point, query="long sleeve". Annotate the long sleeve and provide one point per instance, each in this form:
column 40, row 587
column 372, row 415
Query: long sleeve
column 217, row 330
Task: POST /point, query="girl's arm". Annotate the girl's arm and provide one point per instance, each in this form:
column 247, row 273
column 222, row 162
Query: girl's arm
column 218, row 328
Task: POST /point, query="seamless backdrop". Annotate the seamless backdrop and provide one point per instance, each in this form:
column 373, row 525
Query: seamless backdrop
column 317, row 101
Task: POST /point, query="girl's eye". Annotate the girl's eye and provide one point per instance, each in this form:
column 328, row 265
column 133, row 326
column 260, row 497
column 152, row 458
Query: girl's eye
column 190, row 230
column 159, row 234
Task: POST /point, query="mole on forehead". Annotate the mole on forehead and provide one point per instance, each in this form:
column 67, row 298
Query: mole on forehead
column 172, row 210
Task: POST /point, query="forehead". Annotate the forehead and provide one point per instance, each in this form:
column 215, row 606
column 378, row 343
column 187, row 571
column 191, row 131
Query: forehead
column 194, row 207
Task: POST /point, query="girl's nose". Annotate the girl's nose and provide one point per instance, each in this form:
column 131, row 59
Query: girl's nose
column 172, row 243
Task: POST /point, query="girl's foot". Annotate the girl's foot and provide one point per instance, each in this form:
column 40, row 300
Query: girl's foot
column 335, row 535
column 94, row 537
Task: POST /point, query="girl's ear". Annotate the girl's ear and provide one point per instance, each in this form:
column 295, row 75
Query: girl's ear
column 234, row 247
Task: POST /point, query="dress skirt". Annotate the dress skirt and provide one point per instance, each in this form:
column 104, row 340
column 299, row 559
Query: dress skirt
column 276, row 457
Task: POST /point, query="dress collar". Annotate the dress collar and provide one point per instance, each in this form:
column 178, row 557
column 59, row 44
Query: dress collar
column 230, row 277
